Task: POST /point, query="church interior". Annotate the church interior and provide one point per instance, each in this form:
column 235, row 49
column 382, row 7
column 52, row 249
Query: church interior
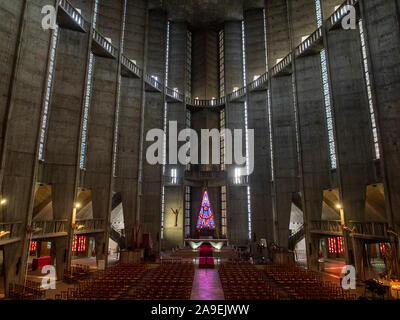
column 105, row 194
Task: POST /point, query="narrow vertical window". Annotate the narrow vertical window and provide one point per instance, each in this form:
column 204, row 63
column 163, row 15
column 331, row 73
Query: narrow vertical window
column 189, row 64
column 187, row 211
column 369, row 90
column 246, row 130
column 116, row 130
column 327, row 93
column 221, row 55
column 222, row 130
column 271, row 149
column 265, row 40
column 223, row 211
column 49, row 85
column 165, row 132
column 88, row 93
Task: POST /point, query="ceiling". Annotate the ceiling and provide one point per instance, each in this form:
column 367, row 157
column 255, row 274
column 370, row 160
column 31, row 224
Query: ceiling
column 205, row 13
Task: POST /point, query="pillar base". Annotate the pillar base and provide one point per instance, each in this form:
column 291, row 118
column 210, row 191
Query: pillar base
column 283, row 257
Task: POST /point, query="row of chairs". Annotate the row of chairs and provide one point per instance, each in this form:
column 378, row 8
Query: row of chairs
column 76, row 273
column 166, row 282
column 245, row 282
column 302, row 284
column 26, row 292
column 109, row 284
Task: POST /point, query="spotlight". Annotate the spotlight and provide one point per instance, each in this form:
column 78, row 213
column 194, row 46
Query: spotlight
column 77, row 205
column 339, row 206
column 3, row 201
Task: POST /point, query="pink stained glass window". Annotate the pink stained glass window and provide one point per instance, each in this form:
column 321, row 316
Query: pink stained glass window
column 206, row 218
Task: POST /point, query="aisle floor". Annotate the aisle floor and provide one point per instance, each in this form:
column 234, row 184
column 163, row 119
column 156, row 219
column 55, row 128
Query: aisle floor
column 207, row 285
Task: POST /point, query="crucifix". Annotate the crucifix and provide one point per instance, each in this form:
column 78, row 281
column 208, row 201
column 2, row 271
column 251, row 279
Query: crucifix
column 176, row 213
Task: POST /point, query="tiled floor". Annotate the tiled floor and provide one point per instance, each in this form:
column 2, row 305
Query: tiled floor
column 207, row 285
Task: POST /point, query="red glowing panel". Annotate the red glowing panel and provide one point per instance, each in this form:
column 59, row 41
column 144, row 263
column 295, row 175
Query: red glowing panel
column 332, row 246
column 340, row 244
column 79, row 244
column 33, row 245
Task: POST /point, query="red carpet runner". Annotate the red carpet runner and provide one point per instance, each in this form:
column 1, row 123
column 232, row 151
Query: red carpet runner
column 206, row 260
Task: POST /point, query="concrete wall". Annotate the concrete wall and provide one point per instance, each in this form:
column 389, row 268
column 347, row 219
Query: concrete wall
column 382, row 28
column 24, row 106
column 102, row 121
column 260, row 179
column 315, row 165
column 150, row 214
column 302, row 18
column 277, row 30
column 132, row 94
column 204, row 64
column 174, row 196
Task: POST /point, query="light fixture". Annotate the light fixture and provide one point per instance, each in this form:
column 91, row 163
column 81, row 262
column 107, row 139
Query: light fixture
column 339, row 206
column 3, row 233
column 77, row 205
column 3, row 201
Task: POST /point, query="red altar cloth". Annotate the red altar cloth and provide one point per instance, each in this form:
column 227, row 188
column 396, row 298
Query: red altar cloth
column 39, row 263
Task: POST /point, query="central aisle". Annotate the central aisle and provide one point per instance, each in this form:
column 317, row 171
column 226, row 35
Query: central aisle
column 206, row 285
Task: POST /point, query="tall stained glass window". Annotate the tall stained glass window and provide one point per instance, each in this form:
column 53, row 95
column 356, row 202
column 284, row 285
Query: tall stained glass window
column 205, row 220
column 49, row 85
column 327, row 93
column 369, row 90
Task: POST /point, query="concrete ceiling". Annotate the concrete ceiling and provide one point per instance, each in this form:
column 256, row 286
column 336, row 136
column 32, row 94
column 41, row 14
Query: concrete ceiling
column 205, row 13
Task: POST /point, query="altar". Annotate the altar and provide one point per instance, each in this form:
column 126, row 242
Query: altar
column 216, row 243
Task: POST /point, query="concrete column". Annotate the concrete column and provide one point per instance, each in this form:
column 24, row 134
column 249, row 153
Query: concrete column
column 204, row 64
column 260, row 179
column 237, row 215
column 174, row 195
column 328, row 7
column 102, row 122
column 283, row 119
column 285, row 155
column 314, row 145
column 278, row 44
column 25, row 83
column 303, row 21
column 132, row 95
column 381, row 24
column 353, row 130
column 62, row 147
column 150, row 214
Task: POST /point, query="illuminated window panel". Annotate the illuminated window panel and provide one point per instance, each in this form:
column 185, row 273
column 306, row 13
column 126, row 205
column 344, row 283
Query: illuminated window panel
column 86, row 112
column 96, row 11
column 369, row 90
column 187, row 210
column 188, row 126
column 33, row 245
column 270, row 134
column 340, row 244
column 265, row 40
column 165, row 132
column 79, row 243
column 246, row 130
column 327, row 94
column 49, row 85
column 382, row 248
column 222, row 127
column 189, row 64
column 116, row 129
column 221, row 63
column 332, row 245
column 223, row 211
